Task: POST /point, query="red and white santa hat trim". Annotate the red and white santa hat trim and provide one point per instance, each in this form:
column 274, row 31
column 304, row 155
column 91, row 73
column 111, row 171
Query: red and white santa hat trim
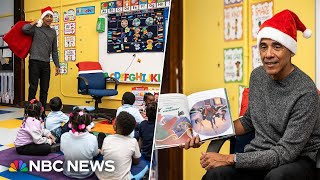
column 45, row 11
column 282, row 27
column 87, row 67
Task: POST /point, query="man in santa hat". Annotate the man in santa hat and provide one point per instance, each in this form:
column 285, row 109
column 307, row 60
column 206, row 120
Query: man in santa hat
column 43, row 44
column 283, row 111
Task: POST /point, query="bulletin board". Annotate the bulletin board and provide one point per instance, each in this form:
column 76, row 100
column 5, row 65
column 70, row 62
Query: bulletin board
column 132, row 60
column 136, row 31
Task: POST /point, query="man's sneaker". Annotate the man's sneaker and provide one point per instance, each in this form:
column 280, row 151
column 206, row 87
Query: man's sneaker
column 55, row 148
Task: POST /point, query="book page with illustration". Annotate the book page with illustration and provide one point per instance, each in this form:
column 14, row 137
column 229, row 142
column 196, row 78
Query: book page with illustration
column 210, row 114
column 173, row 126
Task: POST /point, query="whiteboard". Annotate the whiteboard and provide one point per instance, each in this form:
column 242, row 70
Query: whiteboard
column 139, row 67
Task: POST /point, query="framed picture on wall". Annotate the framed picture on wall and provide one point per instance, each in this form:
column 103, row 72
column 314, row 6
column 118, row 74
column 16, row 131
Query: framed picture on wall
column 233, row 64
column 260, row 12
column 232, row 2
column 233, row 19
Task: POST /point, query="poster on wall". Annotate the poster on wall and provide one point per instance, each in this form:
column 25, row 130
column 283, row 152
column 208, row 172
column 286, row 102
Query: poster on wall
column 143, row 4
column 69, row 15
column 104, row 8
column 111, row 7
column 233, row 23
column 256, row 59
column 232, row 2
column 161, row 3
column 119, row 6
column 139, row 92
column 261, row 12
column 55, row 17
column 69, row 55
column 233, row 65
column 70, row 28
column 134, row 4
column 126, row 5
column 136, row 31
column 152, row 4
column 63, row 68
column 69, row 41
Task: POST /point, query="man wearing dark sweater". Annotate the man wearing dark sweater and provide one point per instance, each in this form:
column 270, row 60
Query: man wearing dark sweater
column 284, row 112
column 43, row 44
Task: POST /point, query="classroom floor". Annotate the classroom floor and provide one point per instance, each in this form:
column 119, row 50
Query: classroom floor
column 10, row 121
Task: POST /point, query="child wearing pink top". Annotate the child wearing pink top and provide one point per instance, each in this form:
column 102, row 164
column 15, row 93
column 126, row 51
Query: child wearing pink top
column 32, row 138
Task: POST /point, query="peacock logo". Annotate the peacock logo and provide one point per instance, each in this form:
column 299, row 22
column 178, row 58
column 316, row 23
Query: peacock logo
column 18, row 165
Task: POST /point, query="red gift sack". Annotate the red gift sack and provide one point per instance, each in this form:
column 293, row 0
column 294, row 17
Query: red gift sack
column 244, row 101
column 18, row 42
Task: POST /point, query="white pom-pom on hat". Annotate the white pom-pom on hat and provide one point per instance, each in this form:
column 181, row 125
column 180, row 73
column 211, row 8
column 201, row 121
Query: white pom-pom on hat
column 39, row 23
column 307, row 33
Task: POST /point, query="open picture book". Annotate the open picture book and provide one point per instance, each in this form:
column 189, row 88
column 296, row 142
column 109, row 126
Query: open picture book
column 180, row 117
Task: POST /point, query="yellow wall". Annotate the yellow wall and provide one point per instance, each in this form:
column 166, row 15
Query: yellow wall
column 203, row 56
column 65, row 86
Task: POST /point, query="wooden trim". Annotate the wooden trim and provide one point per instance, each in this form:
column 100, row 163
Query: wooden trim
column 19, row 70
column 170, row 161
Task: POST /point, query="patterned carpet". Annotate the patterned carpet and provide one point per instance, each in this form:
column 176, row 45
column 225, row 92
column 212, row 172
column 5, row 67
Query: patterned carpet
column 10, row 121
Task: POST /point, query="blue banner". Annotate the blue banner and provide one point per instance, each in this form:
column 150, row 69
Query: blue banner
column 85, row 10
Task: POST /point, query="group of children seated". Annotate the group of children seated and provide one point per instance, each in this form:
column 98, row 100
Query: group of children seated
column 132, row 141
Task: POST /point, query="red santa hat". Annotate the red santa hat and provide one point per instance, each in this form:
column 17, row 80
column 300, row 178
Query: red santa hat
column 45, row 11
column 282, row 28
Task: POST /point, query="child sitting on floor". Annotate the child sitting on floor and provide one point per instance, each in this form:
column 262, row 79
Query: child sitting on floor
column 120, row 148
column 128, row 100
column 78, row 144
column 56, row 118
column 146, row 131
column 32, row 138
column 147, row 99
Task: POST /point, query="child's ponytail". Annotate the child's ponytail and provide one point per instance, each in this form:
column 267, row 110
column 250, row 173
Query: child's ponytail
column 33, row 108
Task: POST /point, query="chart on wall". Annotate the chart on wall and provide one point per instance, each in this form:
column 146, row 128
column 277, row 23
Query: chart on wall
column 233, row 20
column 136, row 31
column 233, row 64
column 260, row 12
